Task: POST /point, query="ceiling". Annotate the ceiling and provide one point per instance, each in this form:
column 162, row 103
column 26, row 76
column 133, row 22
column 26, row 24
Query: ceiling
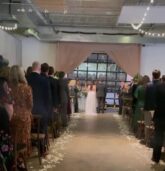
column 76, row 20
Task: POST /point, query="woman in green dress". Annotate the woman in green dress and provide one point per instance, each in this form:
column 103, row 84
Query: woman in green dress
column 140, row 96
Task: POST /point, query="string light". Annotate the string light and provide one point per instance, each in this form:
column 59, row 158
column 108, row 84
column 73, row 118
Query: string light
column 23, row 10
column 146, row 33
column 136, row 27
column 9, row 28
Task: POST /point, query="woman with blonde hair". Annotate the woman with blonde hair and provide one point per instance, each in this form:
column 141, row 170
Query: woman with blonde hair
column 22, row 96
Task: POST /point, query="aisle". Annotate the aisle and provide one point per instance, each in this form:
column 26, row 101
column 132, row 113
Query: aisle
column 101, row 143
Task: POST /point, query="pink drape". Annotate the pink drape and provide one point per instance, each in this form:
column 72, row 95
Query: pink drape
column 70, row 55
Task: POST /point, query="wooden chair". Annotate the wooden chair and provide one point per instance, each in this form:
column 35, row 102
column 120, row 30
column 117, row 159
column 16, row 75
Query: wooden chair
column 140, row 129
column 20, row 150
column 150, row 133
column 36, row 136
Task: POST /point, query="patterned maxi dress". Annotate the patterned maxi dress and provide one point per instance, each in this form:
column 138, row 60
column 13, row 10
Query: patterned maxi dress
column 21, row 121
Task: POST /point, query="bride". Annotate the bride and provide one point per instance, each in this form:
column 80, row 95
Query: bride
column 91, row 101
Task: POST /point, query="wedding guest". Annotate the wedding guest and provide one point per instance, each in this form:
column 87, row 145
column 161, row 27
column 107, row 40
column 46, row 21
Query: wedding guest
column 149, row 104
column 101, row 94
column 41, row 104
column 159, row 121
column 54, row 88
column 22, row 96
column 48, row 91
column 4, row 68
column 6, row 154
column 39, row 85
column 140, row 96
column 64, row 95
column 28, row 71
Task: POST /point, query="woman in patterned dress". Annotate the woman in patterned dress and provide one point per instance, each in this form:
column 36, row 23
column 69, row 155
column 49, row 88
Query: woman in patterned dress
column 22, row 96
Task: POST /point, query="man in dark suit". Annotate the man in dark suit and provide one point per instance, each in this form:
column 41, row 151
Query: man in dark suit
column 159, row 121
column 54, row 84
column 64, row 98
column 151, row 104
column 40, row 95
column 101, row 94
column 44, row 74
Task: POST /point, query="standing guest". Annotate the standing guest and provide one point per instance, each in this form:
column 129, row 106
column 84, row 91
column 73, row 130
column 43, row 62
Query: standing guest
column 4, row 68
column 44, row 74
column 64, row 95
column 159, row 121
column 28, row 71
column 149, row 104
column 39, row 87
column 163, row 78
column 140, row 96
column 54, row 84
column 22, row 96
column 101, row 94
column 6, row 154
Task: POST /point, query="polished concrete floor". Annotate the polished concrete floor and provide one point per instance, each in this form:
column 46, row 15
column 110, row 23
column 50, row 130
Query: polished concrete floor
column 97, row 143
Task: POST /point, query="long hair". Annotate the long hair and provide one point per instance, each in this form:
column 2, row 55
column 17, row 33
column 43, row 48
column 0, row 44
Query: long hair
column 17, row 75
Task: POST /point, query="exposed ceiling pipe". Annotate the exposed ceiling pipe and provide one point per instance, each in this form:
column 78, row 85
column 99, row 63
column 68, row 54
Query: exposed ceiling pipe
column 37, row 12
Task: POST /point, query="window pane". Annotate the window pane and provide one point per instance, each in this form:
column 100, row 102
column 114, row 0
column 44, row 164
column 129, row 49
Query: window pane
column 110, row 101
column 121, row 76
column 111, row 84
column 92, row 66
column 116, row 101
column 83, row 66
column 92, row 75
column 72, row 75
column 110, row 95
column 119, row 69
column 82, row 75
column 101, row 75
column 92, row 57
column 111, row 76
column 112, row 67
column 102, row 58
column 102, row 67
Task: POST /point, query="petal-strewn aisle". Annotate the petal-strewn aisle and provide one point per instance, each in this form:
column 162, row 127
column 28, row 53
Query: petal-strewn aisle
column 97, row 143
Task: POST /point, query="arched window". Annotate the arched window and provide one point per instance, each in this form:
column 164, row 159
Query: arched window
column 100, row 66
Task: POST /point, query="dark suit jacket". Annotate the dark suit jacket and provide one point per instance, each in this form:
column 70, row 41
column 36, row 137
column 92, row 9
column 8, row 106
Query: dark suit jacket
column 64, row 91
column 54, row 84
column 41, row 94
column 100, row 90
column 149, row 103
column 159, row 114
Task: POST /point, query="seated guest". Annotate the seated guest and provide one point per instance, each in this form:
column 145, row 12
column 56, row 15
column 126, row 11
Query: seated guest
column 22, row 96
column 40, row 101
column 6, row 154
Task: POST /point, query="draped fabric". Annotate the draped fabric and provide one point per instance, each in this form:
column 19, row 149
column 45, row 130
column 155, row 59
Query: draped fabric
column 71, row 55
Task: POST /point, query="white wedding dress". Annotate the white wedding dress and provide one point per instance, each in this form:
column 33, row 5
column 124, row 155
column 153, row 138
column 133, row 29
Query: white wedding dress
column 91, row 102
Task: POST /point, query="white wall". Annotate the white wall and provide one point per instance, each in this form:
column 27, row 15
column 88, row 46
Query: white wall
column 152, row 57
column 10, row 48
column 33, row 50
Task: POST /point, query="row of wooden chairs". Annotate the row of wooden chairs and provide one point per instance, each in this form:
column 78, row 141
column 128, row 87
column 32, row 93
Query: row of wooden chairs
column 145, row 129
column 37, row 137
